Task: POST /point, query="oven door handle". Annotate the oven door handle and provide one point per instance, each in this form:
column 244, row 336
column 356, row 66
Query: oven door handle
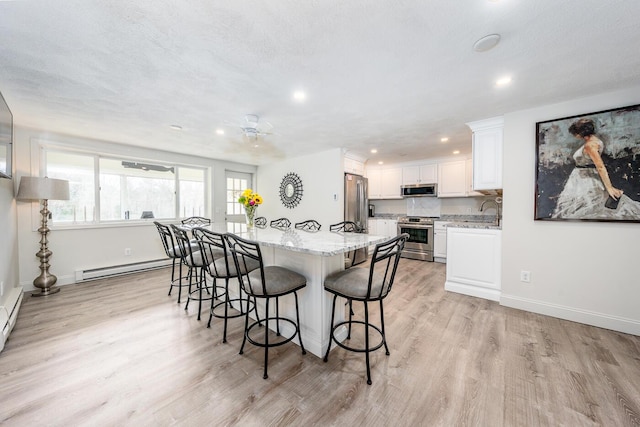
column 419, row 227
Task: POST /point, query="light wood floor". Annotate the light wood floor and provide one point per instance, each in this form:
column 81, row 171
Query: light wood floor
column 120, row 352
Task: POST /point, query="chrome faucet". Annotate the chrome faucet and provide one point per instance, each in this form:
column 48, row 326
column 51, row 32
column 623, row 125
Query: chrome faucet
column 496, row 202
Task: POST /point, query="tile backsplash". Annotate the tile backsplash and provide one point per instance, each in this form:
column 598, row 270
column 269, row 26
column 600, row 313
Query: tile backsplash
column 423, row 206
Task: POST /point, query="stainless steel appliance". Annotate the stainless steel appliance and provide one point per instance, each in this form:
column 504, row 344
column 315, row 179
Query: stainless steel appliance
column 356, row 207
column 419, row 190
column 420, row 243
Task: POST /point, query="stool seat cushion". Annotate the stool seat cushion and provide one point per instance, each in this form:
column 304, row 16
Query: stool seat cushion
column 195, row 260
column 353, row 283
column 220, row 266
column 279, row 281
column 175, row 252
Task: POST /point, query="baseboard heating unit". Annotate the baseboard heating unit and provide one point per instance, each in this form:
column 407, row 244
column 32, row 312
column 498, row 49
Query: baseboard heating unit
column 9, row 312
column 116, row 270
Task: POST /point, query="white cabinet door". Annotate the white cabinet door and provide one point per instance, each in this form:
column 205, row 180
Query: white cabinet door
column 439, row 239
column 353, row 166
column 421, row 174
column 375, row 183
column 391, row 182
column 372, row 226
column 392, row 227
column 473, row 262
column 429, row 174
column 452, row 179
column 487, row 153
column 469, row 172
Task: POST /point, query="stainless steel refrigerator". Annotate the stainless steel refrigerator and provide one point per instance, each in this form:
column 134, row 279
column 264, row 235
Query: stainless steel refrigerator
column 356, row 209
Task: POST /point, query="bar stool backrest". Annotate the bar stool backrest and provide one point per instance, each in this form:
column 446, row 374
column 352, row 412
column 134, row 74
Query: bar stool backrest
column 384, row 264
column 309, row 225
column 281, row 223
column 345, row 227
column 187, row 248
column 168, row 242
column 245, row 254
column 213, row 246
column 195, row 221
column 260, row 222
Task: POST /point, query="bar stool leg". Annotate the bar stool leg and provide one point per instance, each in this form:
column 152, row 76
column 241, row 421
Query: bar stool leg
column 384, row 335
column 366, row 340
column 277, row 316
column 266, row 337
column 295, row 295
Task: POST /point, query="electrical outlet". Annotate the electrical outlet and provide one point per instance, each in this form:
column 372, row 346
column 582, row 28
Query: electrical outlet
column 1, row 288
column 525, row 276
column 127, row 251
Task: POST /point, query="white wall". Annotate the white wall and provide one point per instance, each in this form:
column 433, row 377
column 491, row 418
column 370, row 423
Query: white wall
column 579, row 271
column 8, row 239
column 322, row 177
column 96, row 247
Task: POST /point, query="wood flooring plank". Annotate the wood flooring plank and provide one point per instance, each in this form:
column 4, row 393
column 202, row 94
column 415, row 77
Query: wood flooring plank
column 121, row 352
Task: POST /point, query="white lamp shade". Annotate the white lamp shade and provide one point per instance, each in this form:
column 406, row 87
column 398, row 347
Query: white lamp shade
column 36, row 188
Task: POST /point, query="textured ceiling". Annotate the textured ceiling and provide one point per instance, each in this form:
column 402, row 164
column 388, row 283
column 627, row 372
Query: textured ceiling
column 395, row 75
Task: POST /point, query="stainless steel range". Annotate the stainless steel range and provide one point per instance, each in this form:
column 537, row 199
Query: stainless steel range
column 420, row 243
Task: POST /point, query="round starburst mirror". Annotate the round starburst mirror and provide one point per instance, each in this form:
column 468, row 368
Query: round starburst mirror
column 291, row 190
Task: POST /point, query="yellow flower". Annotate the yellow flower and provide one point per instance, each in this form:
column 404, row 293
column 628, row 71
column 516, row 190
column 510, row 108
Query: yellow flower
column 249, row 198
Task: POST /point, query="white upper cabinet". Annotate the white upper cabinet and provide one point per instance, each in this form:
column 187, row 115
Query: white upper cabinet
column 487, row 153
column 420, row 174
column 353, row 166
column 452, row 179
column 384, row 183
column 470, row 191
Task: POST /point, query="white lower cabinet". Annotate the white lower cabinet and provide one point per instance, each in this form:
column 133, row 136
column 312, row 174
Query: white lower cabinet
column 383, row 227
column 474, row 262
column 440, row 241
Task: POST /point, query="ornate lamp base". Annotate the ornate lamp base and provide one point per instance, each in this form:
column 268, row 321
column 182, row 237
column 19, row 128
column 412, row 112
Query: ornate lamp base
column 45, row 282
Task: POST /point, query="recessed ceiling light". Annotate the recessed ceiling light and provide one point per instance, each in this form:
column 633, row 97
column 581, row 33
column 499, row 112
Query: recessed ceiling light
column 381, row 163
column 374, row 151
column 456, row 152
column 175, row 127
column 220, row 131
column 503, row 81
column 299, row 95
column 445, row 139
column 486, row 43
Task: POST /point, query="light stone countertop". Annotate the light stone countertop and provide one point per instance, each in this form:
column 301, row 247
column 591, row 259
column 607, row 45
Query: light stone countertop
column 468, row 224
column 323, row 243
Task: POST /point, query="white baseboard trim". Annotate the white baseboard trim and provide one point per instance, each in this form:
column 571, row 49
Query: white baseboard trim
column 601, row 320
column 474, row 291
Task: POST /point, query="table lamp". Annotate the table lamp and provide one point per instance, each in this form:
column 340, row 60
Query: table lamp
column 44, row 189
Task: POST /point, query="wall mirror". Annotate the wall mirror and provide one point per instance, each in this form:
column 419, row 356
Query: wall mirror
column 291, row 190
column 6, row 139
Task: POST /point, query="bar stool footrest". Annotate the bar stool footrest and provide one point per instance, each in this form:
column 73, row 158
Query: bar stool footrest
column 357, row 349
column 281, row 339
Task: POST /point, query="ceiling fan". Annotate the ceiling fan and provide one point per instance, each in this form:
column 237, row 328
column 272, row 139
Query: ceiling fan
column 253, row 127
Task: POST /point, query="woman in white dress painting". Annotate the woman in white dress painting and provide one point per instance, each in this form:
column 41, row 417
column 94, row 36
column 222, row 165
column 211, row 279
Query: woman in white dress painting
column 588, row 193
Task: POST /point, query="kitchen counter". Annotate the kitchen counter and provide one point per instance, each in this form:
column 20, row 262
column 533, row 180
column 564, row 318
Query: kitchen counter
column 470, row 224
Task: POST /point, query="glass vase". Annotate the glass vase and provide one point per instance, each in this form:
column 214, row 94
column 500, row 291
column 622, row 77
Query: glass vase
column 249, row 213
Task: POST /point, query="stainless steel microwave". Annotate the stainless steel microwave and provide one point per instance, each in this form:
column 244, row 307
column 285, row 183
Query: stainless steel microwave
column 419, row 190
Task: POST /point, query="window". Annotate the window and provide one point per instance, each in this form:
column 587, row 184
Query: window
column 126, row 189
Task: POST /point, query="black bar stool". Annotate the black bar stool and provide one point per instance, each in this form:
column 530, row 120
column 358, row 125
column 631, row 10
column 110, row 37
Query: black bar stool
column 266, row 282
column 172, row 250
column 366, row 285
column 196, row 261
column 219, row 264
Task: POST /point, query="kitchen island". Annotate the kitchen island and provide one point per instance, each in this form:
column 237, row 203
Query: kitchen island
column 315, row 255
